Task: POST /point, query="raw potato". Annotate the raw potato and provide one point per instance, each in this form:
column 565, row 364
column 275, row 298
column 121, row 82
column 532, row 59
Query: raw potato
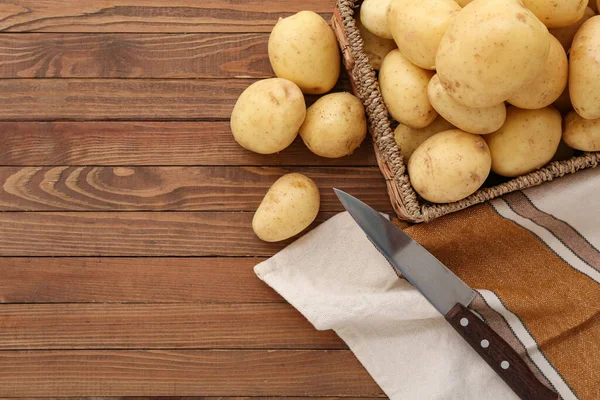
column 404, row 90
column 289, row 207
column 547, row 87
column 375, row 47
column 408, row 139
column 267, row 116
column 557, row 13
column 490, row 50
column 304, row 49
column 527, row 141
column 449, row 166
column 335, row 125
column 473, row 120
column 582, row 134
column 373, row 14
column 565, row 35
column 584, row 75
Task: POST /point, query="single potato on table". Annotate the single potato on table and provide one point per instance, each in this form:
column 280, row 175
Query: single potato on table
column 584, row 75
column 527, row 141
column 449, row 166
column 289, row 207
column 267, row 116
column 404, row 90
column 565, row 35
column 491, row 50
column 408, row 139
column 373, row 14
column 418, row 26
column 472, row 120
column 582, row 134
column 304, row 49
column 546, row 88
column 557, row 13
column 335, row 125
column 375, row 47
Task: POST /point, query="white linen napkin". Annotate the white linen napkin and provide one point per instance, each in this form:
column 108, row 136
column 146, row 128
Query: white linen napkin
column 338, row 280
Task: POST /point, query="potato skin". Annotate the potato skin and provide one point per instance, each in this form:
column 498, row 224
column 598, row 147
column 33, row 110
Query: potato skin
column 546, row 88
column 557, row 14
column 335, row 125
column 304, row 49
column 472, row 120
column 418, row 26
column 449, row 166
column 584, row 75
column 375, row 47
column 373, row 14
column 404, row 90
column 582, row 134
column 490, row 50
column 527, row 141
column 408, row 139
column 565, row 35
column 289, row 207
column 267, row 116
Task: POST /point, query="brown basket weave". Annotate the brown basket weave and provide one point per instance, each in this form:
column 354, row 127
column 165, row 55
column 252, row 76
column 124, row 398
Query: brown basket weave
column 404, row 199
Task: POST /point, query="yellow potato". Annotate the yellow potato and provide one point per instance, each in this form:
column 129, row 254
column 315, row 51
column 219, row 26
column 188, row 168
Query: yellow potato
column 404, row 90
column 557, row 13
column 563, row 152
column 565, row 35
column 289, row 207
column 473, row 120
column 527, row 141
column 373, row 14
column 418, row 27
column 335, row 125
column 304, row 49
column 490, row 50
column 408, row 139
column 267, row 116
column 375, row 47
column 582, row 134
column 584, row 74
column 547, row 87
column 449, row 166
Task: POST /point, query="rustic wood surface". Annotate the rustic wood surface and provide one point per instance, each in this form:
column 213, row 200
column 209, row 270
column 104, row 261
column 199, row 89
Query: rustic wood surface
column 126, row 252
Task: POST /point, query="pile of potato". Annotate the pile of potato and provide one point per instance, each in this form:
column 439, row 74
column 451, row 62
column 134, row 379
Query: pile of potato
column 270, row 114
column 479, row 86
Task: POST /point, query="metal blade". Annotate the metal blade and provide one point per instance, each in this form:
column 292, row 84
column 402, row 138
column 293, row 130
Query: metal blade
column 437, row 283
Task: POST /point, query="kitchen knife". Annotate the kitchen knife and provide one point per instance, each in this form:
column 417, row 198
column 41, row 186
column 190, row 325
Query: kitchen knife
column 448, row 294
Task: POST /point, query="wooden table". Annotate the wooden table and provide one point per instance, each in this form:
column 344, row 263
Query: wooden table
column 126, row 244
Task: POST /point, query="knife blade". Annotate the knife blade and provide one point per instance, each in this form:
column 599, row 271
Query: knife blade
column 448, row 294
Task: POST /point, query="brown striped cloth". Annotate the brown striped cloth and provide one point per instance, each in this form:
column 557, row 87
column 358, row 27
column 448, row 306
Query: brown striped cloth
column 533, row 257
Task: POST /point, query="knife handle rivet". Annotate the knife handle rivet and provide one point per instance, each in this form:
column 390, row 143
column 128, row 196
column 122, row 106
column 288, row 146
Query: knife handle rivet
column 504, row 364
column 464, row 322
column 485, row 343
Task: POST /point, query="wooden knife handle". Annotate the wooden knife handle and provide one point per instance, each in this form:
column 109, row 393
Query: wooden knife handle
column 498, row 354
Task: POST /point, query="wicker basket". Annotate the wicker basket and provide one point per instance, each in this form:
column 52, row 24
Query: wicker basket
column 405, row 201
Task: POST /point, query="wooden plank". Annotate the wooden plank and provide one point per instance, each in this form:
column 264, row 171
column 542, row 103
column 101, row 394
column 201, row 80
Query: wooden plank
column 173, row 188
column 147, row 143
column 159, row 326
column 205, row 55
column 184, row 373
column 152, row 15
column 123, row 99
column 160, row 234
column 132, row 280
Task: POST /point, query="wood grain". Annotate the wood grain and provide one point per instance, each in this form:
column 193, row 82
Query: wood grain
column 155, row 326
column 173, row 188
column 132, row 280
column 134, row 234
column 184, row 373
column 123, row 99
column 148, row 143
column 152, row 15
column 109, row 55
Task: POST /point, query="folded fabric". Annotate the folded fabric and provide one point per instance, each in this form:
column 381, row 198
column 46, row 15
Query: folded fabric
column 533, row 257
